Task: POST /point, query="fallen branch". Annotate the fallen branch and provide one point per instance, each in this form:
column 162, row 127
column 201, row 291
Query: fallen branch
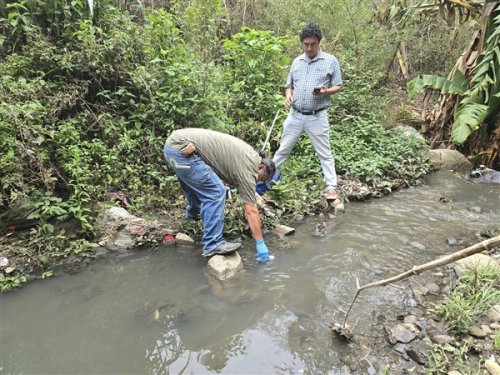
column 483, row 245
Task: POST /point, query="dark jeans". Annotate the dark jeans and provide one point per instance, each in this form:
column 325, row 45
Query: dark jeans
column 204, row 191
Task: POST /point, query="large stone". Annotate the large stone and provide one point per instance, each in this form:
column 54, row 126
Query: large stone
column 476, row 261
column 492, row 366
column 418, row 352
column 441, row 339
column 183, row 239
column 224, row 267
column 119, row 230
column 283, row 230
column 449, row 160
column 113, row 214
column 409, row 131
column 432, row 288
column 405, row 332
column 477, row 332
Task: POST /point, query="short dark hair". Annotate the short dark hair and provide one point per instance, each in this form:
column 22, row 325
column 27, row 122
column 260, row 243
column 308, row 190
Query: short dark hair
column 311, row 31
column 270, row 167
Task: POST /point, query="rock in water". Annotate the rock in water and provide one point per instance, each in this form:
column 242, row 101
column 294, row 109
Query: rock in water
column 224, row 267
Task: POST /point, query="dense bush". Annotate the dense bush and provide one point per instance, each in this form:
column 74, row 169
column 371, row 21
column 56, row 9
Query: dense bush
column 88, row 104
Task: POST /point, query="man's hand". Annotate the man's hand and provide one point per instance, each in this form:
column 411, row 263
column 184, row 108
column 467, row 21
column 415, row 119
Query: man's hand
column 288, row 97
column 262, row 252
column 322, row 91
column 188, row 150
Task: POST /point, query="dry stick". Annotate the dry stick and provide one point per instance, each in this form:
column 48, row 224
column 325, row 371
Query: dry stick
column 484, row 245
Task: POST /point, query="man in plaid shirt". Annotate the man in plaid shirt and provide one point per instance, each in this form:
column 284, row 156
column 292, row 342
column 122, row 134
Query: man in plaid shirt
column 313, row 78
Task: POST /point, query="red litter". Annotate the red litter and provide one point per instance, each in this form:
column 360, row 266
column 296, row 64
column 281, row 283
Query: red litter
column 168, row 239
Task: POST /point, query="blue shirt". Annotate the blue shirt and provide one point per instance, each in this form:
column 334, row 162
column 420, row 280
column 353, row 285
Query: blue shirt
column 306, row 74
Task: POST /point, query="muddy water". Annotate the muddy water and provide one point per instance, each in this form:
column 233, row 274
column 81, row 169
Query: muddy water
column 156, row 312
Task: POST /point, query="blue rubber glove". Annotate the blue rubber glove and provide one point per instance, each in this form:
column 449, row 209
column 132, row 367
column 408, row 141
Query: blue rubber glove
column 262, row 252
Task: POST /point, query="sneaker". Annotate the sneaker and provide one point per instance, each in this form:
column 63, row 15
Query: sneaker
column 330, row 193
column 223, row 249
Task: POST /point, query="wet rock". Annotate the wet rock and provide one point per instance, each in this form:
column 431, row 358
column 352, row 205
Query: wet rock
column 120, row 241
column 449, row 160
column 114, row 214
column 101, row 251
column 433, row 288
column 224, row 267
column 183, row 239
column 476, row 261
column 418, row 294
column 417, row 245
column 405, row 332
column 486, row 329
column 437, row 333
column 492, row 366
column 411, row 319
column 418, row 352
column 320, row 229
column 353, row 366
column 119, row 230
column 339, row 208
column 441, row 339
column 494, row 313
column 477, row 332
column 283, row 230
column 412, row 302
column 401, row 350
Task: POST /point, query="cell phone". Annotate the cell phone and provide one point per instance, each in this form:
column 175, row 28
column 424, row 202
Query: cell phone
column 317, row 90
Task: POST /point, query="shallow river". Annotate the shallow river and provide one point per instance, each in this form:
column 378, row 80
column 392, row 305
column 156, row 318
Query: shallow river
column 157, row 312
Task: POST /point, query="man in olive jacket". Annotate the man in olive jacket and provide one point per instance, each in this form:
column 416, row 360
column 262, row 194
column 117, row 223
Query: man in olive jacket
column 202, row 159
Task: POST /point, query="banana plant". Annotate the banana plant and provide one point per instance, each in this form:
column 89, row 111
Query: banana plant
column 477, row 89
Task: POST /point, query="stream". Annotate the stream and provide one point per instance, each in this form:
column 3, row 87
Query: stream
column 157, row 312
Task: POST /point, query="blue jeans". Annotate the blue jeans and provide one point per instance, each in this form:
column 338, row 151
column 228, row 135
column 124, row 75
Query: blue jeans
column 204, row 191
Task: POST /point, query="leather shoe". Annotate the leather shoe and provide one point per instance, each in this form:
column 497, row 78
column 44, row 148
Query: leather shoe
column 331, row 194
column 223, row 249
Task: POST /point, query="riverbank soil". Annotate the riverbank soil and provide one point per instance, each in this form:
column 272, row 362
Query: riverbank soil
column 450, row 326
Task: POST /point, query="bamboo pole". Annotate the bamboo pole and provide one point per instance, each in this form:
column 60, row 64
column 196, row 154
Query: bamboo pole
column 471, row 250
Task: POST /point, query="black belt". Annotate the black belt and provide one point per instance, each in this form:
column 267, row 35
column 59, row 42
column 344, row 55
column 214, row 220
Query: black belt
column 307, row 113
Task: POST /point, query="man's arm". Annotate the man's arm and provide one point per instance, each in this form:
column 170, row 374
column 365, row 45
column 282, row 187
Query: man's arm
column 328, row 91
column 253, row 219
column 288, row 97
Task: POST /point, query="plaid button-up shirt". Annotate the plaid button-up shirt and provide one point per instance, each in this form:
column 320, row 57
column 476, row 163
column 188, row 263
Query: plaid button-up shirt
column 306, row 74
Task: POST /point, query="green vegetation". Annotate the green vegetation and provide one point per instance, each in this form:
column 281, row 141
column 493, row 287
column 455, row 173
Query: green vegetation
column 443, row 359
column 467, row 113
column 477, row 291
column 89, row 96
